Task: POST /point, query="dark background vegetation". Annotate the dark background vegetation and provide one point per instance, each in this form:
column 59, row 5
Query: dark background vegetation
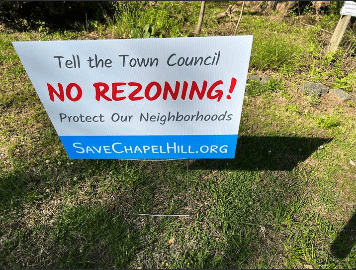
column 72, row 15
column 55, row 14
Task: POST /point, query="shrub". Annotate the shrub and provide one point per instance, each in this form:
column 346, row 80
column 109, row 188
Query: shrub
column 61, row 14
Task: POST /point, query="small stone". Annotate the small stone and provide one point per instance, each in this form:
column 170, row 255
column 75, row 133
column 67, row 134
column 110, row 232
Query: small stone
column 341, row 94
column 317, row 89
column 254, row 78
column 265, row 79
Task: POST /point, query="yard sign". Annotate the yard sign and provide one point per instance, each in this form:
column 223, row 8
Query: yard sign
column 349, row 8
column 174, row 98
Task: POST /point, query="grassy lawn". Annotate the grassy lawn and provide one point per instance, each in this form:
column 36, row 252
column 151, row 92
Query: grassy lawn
column 287, row 200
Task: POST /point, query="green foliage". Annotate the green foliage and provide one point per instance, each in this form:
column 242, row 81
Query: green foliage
column 139, row 21
column 162, row 19
column 328, row 121
column 347, row 83
column 59, row 14
column 329, row 21
column 147, row 32
column 351, row 103
column 254, row 88
column 98, row 26
column 314, row 47
column 294, row 108
column 312, row 99
column 270, row 51
column 335, row 7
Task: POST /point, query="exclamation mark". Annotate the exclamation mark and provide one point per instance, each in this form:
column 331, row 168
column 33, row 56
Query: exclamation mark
column 232, row 87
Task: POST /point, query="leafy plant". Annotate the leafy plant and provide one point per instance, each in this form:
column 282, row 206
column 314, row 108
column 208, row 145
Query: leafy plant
column 294, row 108
column 98, row 27
column 313, row 99
column 346, row 83
column 254, row 88
column 328, row 121
column 351, row 103
column 148, row 31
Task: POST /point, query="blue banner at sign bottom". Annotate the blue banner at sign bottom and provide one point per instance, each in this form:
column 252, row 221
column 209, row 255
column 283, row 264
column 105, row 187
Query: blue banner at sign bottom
column 150, row 147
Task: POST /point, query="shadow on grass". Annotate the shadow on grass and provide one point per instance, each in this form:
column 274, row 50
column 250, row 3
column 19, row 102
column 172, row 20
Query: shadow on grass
column 266, row 153
column 81, row 237
column 88, row 237
column 256, row 190
column 342, row 245
column 14, row 186
column 244, row 204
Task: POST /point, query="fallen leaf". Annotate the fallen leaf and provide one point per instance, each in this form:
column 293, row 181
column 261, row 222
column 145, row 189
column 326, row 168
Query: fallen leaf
column 352, row 163
column 171, row 241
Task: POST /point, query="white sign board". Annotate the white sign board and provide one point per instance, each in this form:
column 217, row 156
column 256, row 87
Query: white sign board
column 172, row 98
column 349, row 8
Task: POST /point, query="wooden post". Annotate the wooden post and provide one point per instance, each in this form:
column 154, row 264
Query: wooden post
column 201, row 16
column 338, row 33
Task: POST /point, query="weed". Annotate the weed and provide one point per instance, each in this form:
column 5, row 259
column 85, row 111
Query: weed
column 328, row 121
column 294, row 108
column 351, row 103
column 347, row 83
column 137, row 21
column 98, row 27
column 287, row 70
column 272, row 50
column 254, row 88
column 312, row 99
column 147, row 32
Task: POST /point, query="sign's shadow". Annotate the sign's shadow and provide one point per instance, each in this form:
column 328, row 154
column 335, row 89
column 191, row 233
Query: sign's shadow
column 266, row 153
column 342, row 245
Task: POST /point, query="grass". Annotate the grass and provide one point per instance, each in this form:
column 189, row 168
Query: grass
column 285, row 201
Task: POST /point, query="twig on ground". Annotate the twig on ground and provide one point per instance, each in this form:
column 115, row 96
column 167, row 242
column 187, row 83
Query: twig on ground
column 238, row 22
column 201, row 16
